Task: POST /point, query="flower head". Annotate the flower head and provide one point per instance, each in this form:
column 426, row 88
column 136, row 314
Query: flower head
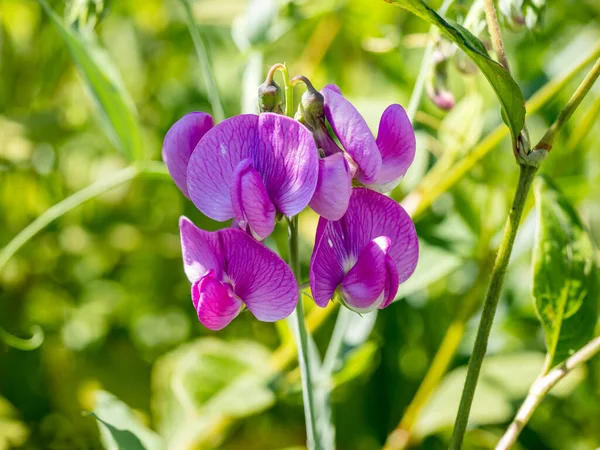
column 366, row 254
column 376, row 163
column 247, row 168
column 229, row 271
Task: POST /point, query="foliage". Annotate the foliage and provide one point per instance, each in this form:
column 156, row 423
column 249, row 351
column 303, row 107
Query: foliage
column 104, row 280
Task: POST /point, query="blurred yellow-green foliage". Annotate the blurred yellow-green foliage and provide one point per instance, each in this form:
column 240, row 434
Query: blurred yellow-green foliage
column 105, row 280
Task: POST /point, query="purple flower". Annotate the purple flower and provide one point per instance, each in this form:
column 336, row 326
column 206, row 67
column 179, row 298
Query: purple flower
column 229, row 271
column 365, row 255
column 247, row 168
column 378, row 163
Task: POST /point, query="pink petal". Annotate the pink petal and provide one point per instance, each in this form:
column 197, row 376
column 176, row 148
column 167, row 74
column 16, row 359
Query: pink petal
column 260, row 278
column 397, row 144
column 179, row 143
column 211, row 166
column 392, row 282
column 287, row 161
column 200, row 250
column 354, row 135
column 251, row 204
column 214, row 302
column 363, row 287
column 334, row 187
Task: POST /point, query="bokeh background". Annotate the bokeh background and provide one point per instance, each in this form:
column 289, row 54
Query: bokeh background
column 105, row 282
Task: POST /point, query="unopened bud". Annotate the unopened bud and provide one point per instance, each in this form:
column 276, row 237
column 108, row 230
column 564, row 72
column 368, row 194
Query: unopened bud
column 270, row 97
column 437, row 84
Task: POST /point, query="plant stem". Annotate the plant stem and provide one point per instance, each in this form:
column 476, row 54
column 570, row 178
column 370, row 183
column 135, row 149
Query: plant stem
column 430, row 190
column 548, row 140
column 541, row 387
column 526, row 175
column 73, row 201
column 417, row 93
column 306, row 369
column 494, row 29
column 336, row 341
column 205, row 65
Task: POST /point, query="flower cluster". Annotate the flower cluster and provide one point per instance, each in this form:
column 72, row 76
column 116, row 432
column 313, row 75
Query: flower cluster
column 254, row 169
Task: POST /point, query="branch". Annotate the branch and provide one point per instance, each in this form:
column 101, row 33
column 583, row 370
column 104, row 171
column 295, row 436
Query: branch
column 540, row 389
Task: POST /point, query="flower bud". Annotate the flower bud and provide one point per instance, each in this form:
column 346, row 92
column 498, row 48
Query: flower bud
column 270, row 97
column 520, row 13
column 86, row 14
column 311, row 108
column 437, row 85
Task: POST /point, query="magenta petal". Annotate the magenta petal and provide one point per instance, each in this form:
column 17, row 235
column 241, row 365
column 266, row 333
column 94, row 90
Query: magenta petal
column 260, row 278
column 251, row 204
column 179, row 143
column 334, row 187
column 287, row 161
column 328, row 261
column 200, row 250
column 397, row 144
column 211, row 166
column 392, row 284
column 354, row 135
column 334, row 87
column 339, row 244
column 363, row 287
column 214, row 302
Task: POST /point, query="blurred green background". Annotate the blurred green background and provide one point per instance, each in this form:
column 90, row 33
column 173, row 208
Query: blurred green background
column 105, row 281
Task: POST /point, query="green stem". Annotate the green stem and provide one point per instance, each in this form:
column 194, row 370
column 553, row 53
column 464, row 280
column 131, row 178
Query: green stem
column 494, row 29
column 541, row 387
column 336, row 341
column 289, row 92
column 36, row 339
column 75, row 200
column 205, row 65
column 548, row 140
column 526, row 176
column 304, row 361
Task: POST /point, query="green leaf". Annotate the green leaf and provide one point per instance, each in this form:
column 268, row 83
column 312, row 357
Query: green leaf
column 120, row 429
column 199, row 385
column 13, row 432
column 103, row 81
column 507, row 90
column 565, row 274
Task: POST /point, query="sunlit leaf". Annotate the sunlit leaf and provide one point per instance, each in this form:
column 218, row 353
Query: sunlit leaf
column 565, row 274
column 201, row 384
column 508, row 92
column 104, row 83
column 120, row 429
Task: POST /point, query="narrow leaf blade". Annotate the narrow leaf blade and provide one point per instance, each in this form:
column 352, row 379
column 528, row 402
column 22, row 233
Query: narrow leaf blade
column 104, row 84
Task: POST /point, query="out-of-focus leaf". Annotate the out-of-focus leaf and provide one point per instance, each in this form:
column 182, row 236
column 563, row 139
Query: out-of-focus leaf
column 505, row 380
column 359, row 363
column 565, row 274
column 508, row 92
column 120, row 429
column 103, row 81
column 461, row 129
column 434, row 264
column 13, row 433
column 200, row 384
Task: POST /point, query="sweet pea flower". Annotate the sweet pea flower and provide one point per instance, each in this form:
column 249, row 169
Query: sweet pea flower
column 229, row 271
column 365, row 255
column 378, row 164
column 247, row 168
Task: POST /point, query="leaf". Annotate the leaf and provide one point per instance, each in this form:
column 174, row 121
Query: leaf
column 508, row 92
column 565, row 274
column 120, row 429
column 13, row 432
column 199, row 385
column 105, row 85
